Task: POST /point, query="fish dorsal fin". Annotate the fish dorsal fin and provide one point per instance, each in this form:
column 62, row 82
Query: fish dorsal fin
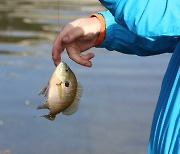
column 74, row 106
column 44, row 90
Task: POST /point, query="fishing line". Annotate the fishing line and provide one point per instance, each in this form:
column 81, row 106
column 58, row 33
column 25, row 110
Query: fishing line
column 58, row 15
column 59, row 20
column 59, row 26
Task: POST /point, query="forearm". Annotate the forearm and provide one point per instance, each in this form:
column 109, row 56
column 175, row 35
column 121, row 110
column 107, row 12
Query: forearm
column 147, row 18
column 121, row 39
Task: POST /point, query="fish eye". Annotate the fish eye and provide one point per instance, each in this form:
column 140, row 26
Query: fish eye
column 66, row 84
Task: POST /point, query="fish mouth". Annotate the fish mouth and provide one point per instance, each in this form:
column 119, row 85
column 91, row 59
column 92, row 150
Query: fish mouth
column 62, row 70
column 62, row 64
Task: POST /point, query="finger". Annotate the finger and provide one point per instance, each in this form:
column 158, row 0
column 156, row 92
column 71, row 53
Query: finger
column 72, row 35
column 57, row 46
column 56, row 55
column 58, row 41
column 79, row 58
column 56, row 50
column 56, row 58
column 88, row 56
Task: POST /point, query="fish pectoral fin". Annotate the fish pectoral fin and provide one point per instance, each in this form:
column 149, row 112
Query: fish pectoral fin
column 49, row 117
column 45, row 105
column 74, row 106
column 44, row 90
column 59, row 87
column 58, row 84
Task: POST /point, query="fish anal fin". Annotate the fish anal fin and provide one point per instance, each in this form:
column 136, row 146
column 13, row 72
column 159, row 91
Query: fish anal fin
column 45, row 105
column 74, row 106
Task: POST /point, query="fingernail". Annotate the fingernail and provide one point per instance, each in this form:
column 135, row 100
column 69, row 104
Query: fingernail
column 65, row 38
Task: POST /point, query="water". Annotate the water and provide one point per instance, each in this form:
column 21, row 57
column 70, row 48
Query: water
column 120, row 91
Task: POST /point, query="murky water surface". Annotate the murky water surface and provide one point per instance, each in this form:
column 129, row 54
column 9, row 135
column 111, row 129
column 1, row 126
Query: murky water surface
column 120, row 91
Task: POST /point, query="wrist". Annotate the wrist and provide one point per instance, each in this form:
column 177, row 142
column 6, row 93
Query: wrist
column 101, row 36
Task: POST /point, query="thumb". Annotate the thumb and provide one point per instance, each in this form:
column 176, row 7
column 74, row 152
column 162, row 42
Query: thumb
column 74, row 34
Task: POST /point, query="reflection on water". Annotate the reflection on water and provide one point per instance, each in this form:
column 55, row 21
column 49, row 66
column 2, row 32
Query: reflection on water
column 28, row 22
column 119, row 91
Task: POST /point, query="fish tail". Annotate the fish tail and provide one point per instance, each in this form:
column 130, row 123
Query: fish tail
column 49, row 117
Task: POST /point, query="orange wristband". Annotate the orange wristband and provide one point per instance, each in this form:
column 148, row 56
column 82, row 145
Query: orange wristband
column 101, row 36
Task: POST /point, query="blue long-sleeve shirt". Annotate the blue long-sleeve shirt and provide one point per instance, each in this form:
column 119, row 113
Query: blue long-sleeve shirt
column 149, row 27
column 147, row 18
column 128, row 42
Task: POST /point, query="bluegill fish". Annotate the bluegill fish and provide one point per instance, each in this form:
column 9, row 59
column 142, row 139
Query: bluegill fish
column 63, row 92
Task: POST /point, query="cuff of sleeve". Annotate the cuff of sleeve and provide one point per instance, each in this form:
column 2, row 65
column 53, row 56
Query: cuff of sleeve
column 101, row 36
column 110, row 30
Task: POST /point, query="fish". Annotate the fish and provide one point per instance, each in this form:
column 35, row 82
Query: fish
column 63, row 92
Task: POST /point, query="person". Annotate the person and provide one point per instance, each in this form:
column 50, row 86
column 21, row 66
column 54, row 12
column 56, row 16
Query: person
column 136, row 27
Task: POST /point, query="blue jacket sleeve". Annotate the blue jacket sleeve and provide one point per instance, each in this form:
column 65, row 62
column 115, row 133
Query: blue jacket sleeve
column 121, row 39
column 147, row 18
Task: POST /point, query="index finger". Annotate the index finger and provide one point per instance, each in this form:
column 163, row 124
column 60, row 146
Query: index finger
column 56, row 50
column 57, row 46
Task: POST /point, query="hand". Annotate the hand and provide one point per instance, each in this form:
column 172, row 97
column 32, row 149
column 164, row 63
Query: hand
column 77, row 37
